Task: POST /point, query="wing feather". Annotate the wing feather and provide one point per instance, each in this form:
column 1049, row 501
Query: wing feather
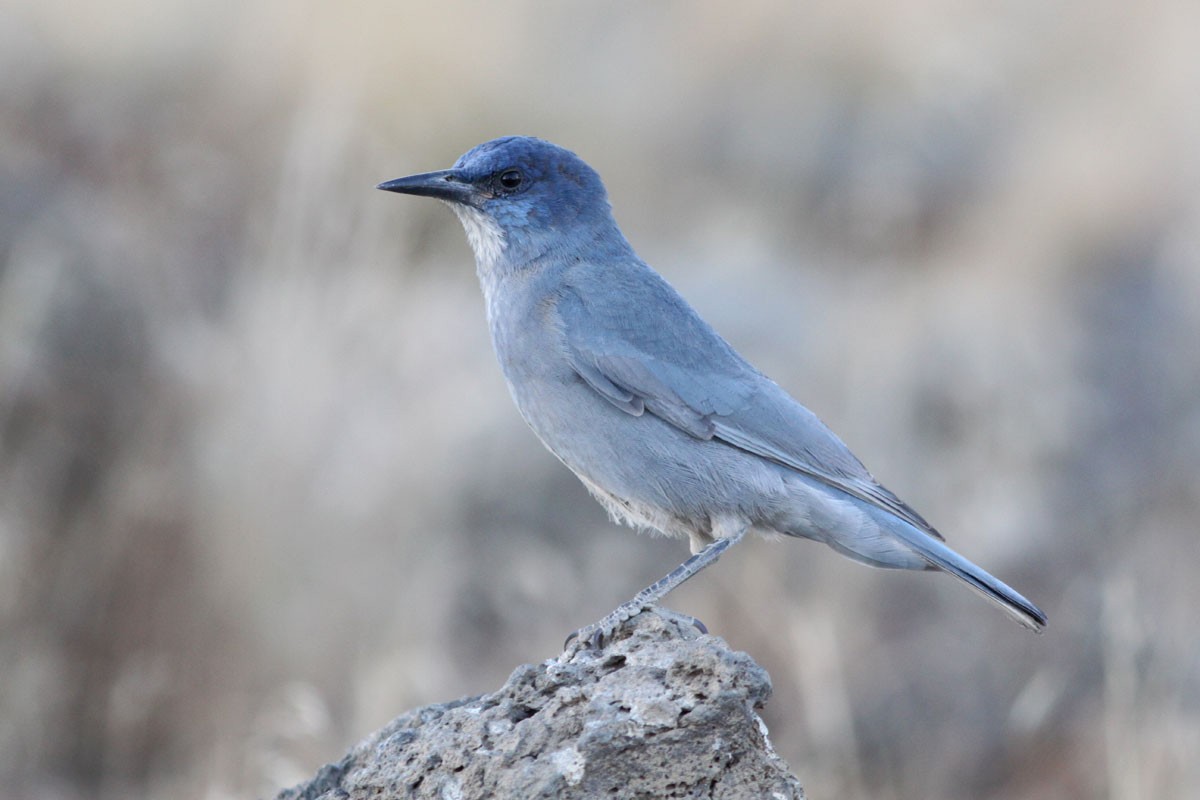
column 678, row 368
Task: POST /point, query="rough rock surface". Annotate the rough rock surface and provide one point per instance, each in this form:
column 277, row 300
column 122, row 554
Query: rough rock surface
column 661, row 711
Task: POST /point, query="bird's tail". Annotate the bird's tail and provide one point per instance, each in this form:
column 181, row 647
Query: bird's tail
column 1000, row 593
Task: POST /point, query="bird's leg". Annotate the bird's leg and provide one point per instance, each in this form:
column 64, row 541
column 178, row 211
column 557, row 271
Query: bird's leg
column 595, row 634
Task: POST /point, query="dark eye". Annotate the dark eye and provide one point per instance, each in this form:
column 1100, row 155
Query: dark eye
column 510, row 179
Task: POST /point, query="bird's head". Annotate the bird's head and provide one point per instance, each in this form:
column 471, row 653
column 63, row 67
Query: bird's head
column 520, row 199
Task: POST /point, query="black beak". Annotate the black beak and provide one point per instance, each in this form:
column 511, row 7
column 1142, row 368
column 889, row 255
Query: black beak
column 444, row 184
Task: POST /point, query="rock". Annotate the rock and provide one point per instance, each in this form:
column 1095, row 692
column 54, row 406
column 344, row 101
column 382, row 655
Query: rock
column 661, row 711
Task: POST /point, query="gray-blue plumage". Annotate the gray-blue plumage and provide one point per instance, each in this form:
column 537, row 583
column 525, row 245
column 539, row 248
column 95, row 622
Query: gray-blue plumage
column 662, row 420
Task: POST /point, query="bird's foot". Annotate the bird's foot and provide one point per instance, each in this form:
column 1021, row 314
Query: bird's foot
column 596, row 635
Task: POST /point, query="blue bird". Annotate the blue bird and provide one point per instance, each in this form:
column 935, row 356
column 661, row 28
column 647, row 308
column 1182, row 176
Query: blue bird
column 667, row 426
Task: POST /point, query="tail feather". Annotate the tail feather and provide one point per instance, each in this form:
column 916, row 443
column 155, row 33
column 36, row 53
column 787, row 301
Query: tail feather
column 995, row 590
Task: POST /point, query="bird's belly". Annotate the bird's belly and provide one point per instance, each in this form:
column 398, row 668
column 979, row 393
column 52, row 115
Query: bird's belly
column 645, row 471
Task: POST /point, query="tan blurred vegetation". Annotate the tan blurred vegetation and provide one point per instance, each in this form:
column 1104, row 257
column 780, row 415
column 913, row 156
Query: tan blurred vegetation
column 262, row 487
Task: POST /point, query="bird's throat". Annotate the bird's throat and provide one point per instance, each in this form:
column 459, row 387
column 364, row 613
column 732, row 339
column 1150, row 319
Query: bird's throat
column 484, row 235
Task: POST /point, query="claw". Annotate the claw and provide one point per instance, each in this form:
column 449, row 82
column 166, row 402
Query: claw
column 590, row 637
column 594, row 636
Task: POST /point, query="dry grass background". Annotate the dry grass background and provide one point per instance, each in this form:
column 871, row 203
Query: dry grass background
column 262, row 487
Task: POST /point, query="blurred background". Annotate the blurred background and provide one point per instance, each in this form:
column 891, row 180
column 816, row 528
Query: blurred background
column 262, row 487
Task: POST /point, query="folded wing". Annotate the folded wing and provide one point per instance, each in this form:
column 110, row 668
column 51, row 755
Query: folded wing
column 676, row 367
